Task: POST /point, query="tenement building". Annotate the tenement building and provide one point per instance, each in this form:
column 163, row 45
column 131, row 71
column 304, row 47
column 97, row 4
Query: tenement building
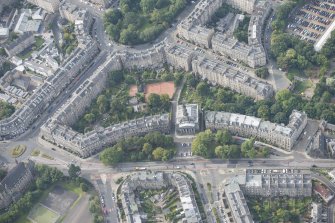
column 236, row 208
column 49, row 5
column 85, row 145
column 264, row 183
column 277, row 183
column 247, row 126
column 158, row 180
column 38, row 102
column 15, row 183
column 187, row 119
column 192, row 29
column 219, row 73
column 20, row 44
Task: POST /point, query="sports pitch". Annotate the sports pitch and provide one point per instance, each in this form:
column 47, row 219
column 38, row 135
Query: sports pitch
column 41, row 214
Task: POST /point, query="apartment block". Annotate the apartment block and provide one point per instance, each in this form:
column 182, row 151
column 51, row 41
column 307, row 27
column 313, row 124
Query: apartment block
column 247, row 126
column 243, row 5
column 277, row 183
column 158, row 180
column 237, row 210
column 253, row 55
column 49, row 5
column 16, row 183
column 20, row 44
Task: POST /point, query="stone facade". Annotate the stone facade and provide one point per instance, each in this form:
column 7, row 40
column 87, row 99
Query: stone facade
column 247, row 126
column 20, row 44
column 15, row 183
column 192, row 29
column 158, row 180
column 187, row 119
column 49, row 5
column 51, row 88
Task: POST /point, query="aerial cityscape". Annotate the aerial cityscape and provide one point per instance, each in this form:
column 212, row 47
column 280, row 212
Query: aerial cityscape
column 167, row 111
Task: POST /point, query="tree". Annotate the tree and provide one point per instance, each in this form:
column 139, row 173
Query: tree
column 89, row 117
column 263, row 112
column 223, row 137
column 154, row 102
column 262, row 72
column 203, row 144
column 202, row 89
column 158, row 153
column 247, row 148
column 112, row 16
column 84, row 187
column 74, row 171
column 147, row 148
column 112, row 155
column 147, row 5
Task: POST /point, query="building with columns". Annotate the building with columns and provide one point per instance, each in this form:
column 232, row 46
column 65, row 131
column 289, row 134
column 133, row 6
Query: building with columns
column 187, row 119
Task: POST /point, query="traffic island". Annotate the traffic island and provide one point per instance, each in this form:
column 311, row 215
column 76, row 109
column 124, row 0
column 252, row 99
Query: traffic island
column 17, row 151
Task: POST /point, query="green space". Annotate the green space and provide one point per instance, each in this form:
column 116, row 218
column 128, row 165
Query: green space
column 262, row 72
column 6, row 66
column 18, row 151
column 301, row 86
column 35, row 152
column 41, row 214
column 162, row 203
column 152, row 146
column 221, row 145
column 95, row 209
column 300, row 59
column 113, row 104
column 221, row 13
column 39, row 42
column 70, row 41
column 275, row 210
column 46, row 179
column 46, row 156
column 241, row 33
column 6, row 110
column 141, row 21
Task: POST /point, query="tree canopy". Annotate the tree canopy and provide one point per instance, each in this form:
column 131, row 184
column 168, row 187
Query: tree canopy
column 140, row 21
column 152, row 146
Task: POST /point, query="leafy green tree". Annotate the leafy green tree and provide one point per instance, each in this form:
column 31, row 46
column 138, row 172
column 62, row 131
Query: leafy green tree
column 262, row 72
column 202, row 89
column 147, row 148
column 263, row 112
column 247, row 148
column 223, row 137
column 84, row 187
column 111, row 155
column 74, row 171
column 158, row 153
column 89, row 117
column 203, row 144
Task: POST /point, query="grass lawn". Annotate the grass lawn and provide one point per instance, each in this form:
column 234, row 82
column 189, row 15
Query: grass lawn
column 65, row 185
column 35, row 152
column 18, row 151
column 301, row 86
column 39, row 42
column 41, row 214
column 47, row 156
